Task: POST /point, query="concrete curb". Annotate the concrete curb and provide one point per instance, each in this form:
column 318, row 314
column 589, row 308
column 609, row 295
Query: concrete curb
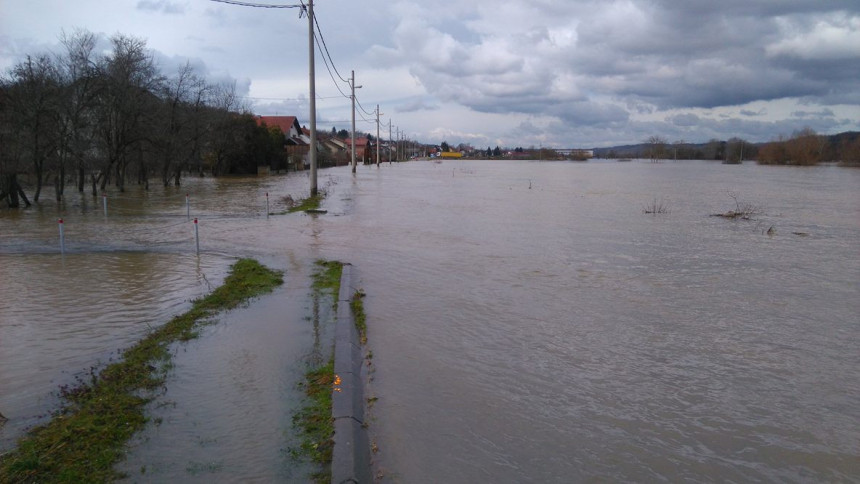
column 351, row 456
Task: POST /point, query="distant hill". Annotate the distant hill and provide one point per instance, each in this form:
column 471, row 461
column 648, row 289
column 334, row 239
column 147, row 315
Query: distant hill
column 712, row 150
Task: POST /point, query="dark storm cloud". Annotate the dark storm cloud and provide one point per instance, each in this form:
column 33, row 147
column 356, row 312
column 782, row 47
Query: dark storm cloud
column 584, row 72
column 560, row 56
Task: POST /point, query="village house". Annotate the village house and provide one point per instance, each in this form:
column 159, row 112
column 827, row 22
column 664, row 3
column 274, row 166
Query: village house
column 362, row 149
column 296, row 142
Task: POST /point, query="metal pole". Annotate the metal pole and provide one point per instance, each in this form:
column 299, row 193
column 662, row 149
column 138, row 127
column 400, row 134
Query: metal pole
column 389, row 141
column 104, row 202
column 267, row 204
column 196, row 235
column 187, row 208
column 62, row 238
column 312, row 153
column 352, row 85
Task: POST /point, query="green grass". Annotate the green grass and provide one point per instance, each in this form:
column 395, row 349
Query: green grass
column 357, row 306
column 314, row 420
column 87, row 437
column 326, row 278
column 310, row 203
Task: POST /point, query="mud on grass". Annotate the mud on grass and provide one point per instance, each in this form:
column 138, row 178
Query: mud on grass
column 84, row 440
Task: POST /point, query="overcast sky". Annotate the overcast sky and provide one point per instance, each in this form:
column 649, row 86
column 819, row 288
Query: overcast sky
column 558, row 73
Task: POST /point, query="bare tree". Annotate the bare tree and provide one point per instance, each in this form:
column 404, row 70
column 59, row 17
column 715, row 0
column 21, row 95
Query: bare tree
column 78, row 72
column 656, row 148
column 32, row 97
column 130, row 80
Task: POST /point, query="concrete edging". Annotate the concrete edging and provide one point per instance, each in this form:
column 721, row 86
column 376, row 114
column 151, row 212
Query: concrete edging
column 351, row 456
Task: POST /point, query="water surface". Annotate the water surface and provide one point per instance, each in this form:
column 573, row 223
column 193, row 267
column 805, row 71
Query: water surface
column 529, row 323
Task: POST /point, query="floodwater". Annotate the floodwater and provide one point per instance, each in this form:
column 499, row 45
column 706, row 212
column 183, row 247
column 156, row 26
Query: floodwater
column 528, row 322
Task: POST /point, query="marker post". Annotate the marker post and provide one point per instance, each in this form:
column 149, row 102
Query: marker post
column 62, row 237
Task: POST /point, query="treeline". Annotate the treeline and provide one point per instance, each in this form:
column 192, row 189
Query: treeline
column 805, row 147
column 87, row 118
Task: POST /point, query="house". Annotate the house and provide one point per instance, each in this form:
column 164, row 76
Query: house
column 296, row 142
column 336, row 148
column 362, row 148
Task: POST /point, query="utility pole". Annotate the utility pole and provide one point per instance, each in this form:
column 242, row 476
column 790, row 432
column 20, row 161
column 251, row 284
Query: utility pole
column 312, row 152
column 389, row 141
column 377, row 135
column 354, row 87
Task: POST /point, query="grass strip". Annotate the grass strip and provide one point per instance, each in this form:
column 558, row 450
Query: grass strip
column 357, row 306
column 326, row 278
column 86, row 438
column 310, row 203
column 314, row 420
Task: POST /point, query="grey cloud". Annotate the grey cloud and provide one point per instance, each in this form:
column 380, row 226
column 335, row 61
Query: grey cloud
column 824, row 113
column 688, row 119
column 416, row 105
column 163, row 6
column 699, row 54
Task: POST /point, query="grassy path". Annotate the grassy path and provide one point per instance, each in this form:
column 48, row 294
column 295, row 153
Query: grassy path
column 87, row 437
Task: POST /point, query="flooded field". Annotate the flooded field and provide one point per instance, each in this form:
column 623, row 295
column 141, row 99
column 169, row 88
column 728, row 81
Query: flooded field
column 529, row 323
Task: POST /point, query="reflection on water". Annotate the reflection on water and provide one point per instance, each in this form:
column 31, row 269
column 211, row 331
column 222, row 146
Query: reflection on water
column 226, row 413
column 124, row 272
column 63, row 315
column 556, row 333
column 528, row 322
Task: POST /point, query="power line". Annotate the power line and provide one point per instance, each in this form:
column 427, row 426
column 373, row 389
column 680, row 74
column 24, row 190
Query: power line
column 325, row 48
column 365, row 110
column 257, row 5
column 329, row 69
column 254, row 98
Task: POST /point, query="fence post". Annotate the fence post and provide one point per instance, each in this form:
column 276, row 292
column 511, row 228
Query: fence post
column 104, row 202
column 188, row 208
column 196, row 236
column 62, row 237
column 267, row 204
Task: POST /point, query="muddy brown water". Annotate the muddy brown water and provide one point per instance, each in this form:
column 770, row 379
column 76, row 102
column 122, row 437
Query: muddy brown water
column 545, row 334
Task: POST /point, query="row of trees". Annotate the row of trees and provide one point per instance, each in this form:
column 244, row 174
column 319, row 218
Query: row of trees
column 805, row 147
column 734, row 150
column 115, row 118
